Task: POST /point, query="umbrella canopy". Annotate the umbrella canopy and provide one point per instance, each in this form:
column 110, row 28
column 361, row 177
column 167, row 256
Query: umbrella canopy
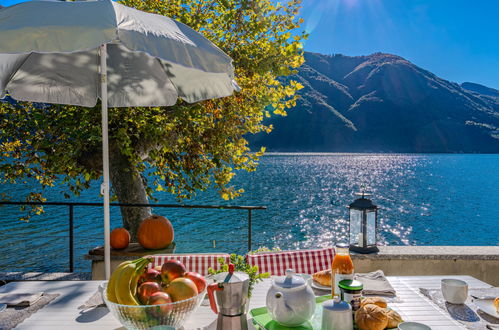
column 77, row 52
column 49, row 52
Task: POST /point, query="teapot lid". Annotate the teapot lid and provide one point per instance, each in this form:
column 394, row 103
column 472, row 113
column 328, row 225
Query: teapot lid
column 336, row 305
column 290, row 280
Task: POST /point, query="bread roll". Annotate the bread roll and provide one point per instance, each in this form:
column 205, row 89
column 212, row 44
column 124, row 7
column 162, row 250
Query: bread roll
column 496, row 304
column 393, row 319
column 323, row 277
column 371, row 317
column 378, row 301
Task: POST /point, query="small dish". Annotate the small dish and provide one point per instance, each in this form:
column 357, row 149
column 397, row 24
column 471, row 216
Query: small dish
column 413, row 326
column 487, row 306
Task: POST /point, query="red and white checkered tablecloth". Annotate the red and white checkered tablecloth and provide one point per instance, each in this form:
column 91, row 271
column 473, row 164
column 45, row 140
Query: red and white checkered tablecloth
column 198, row 263
column 301, row 261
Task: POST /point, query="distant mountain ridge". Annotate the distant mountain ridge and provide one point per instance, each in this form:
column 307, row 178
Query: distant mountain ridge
column 383, row 103
column 480, row 89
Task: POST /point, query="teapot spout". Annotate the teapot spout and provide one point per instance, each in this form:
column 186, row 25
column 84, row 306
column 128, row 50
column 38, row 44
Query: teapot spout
column 280, row 306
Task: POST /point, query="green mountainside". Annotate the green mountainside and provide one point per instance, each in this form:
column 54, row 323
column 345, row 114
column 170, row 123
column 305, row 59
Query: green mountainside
column 383, row 103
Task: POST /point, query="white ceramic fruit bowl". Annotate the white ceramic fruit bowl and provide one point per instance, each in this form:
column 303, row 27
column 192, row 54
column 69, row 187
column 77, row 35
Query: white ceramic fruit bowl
column 164, row 316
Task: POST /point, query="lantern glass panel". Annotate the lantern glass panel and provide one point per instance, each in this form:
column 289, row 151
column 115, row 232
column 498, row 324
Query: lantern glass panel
column 371, row 227
column 356, row 227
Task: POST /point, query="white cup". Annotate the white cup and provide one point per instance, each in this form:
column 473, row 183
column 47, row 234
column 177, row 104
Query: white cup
column 454, row 291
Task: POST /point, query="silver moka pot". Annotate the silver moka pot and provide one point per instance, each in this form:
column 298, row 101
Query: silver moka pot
column 231, row 292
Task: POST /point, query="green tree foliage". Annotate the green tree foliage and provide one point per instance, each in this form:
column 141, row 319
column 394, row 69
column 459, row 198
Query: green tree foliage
column 184, row 148
column 241, row 265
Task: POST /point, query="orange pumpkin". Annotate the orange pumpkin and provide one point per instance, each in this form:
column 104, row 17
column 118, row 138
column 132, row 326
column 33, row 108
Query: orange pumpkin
column 120, row 238
column 155, row 232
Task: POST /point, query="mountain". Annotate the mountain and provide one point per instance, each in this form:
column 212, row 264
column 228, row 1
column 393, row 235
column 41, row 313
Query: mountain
column 383, row 103
column 480, row 89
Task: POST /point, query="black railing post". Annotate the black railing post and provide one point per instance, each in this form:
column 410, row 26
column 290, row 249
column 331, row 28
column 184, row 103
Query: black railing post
column 249, row 230
column 71, row 236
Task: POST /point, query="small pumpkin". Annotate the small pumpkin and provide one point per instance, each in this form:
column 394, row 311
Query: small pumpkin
column 120, row 238
column 155, row 232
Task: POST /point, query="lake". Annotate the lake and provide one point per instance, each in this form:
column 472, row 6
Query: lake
column 424, row 199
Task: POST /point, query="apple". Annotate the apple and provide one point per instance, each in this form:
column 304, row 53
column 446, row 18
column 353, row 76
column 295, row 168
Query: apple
column 171, row 270
column 150, row 275
column 159, row 298
column 198, row 279
column 181, row 288
column 146, row 290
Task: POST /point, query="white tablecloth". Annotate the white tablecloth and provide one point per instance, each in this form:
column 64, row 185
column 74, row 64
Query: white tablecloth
column 62, row 313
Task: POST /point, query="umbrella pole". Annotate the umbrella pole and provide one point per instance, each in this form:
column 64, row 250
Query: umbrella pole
column 105, row 161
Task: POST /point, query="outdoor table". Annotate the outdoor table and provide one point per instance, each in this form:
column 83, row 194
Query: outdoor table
column 62, row 312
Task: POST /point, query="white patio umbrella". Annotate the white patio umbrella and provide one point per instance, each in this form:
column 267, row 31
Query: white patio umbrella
column 76, row 52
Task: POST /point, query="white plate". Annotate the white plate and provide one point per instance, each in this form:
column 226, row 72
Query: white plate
column 487, row 306
column 318, row 286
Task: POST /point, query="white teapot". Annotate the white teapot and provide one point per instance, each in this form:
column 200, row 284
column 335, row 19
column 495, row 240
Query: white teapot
column 290, row 300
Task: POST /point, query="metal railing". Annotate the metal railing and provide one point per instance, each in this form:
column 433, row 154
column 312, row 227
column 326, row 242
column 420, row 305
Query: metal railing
column 71, row 206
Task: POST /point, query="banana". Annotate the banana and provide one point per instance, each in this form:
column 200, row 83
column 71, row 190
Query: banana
column 122, row 287
column 111, row 284
column 126, row 284
column 111, row 296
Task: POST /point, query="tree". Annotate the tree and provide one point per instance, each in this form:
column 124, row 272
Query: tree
column 179, row 149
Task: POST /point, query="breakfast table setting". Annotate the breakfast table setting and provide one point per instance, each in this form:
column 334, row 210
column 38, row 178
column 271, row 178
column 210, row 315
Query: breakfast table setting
column 62, row 311
column 169, row 294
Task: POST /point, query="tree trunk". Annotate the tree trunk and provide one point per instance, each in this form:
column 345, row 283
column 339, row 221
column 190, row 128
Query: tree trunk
column 128, row 186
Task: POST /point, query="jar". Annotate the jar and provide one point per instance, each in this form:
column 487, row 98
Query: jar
column 341, row 268
column 351, row 292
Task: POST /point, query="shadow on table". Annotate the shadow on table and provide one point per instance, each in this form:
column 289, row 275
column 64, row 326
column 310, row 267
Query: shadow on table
column 465, row 313
column 92, row 315
column 462, row 312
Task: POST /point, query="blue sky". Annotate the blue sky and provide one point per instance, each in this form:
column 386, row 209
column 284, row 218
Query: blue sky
column 456, row 39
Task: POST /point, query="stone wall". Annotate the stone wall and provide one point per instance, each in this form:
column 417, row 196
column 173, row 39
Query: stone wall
column 481, row 262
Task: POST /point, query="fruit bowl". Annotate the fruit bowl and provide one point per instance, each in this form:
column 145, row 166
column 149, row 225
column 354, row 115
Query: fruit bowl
column 164, row 316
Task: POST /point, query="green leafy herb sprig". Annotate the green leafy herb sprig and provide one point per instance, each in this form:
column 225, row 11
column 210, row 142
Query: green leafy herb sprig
column 240, row 265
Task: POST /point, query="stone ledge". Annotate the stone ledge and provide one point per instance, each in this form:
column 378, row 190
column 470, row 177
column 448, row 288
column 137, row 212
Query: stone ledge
column 133, row 251
column 433, row 253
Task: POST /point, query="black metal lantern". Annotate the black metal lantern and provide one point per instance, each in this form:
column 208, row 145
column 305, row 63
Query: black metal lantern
column 363, row 225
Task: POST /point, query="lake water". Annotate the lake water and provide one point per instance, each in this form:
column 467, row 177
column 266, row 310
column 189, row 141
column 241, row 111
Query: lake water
column 435, row 199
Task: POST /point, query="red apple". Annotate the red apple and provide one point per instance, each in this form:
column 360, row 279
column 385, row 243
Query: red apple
column 150, row 275
column 198, row 279
column 159, row 298
column 146, row 290
column 171, row 270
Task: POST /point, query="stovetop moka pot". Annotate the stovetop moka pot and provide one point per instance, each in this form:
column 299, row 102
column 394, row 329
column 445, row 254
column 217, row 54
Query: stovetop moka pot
column 231, row 292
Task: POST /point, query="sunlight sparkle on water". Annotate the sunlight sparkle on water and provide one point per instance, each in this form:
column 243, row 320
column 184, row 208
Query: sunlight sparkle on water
column 423, row 200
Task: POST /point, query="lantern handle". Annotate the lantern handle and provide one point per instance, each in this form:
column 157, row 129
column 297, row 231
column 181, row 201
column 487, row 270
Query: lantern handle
column 363, row 194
